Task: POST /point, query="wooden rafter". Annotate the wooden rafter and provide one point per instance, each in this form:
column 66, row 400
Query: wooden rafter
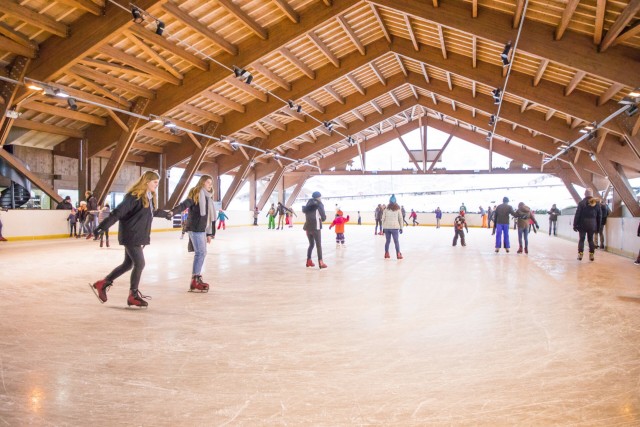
column 19, row 166
column 38, row 20
column 86, row 5
column 314, row 104
column 351, row 34
column 601, row 6
column 541, row 69
column 401, row 65
column 243, row 17
column 577, row 78
column 412, row 35
column 63, row 112
column 9, row 45
column 272, row 76
column 628, row 34
column 474, row 8
column 609, row 93
column 443, row 46
column 378, row 73
column 202, row 113
column 306, row 70
column 357, row 86
column 226, row 102
column 166, row 44
column 154, row 55
column 47, row 128
column 324, row 49
column 106, row 79
column 621, row 22
column 569, row 9
column 144, row 66
column 380, row 22
column 247, row 88
column 288, row 10
column 196, row 25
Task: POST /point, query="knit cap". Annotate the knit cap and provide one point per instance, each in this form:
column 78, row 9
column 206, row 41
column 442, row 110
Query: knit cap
column 392, row 199
column 316, row 195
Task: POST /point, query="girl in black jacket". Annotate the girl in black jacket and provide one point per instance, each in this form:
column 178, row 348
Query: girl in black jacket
column 315, row 215
column 200, row 225
column 135, row 214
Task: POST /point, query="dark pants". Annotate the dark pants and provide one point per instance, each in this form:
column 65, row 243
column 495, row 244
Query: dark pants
column 104, row 234
column 378, row 222
column 133, row 258
column 523, row 233
column 458, row 233
column 72, row 229
column 601, row 234
column 553, row 227
column 589, row 235
column 404, row 220
column 314, row 240
column 389, row 234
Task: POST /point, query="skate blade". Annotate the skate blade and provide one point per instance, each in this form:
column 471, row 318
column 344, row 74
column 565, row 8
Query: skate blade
column 136, row 307
column 95, row 292
column 198, row 291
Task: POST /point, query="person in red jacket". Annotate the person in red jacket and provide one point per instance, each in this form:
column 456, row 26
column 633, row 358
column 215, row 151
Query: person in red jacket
column 339, row 222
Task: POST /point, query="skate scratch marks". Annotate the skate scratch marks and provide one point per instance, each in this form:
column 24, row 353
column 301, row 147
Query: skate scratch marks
column 246, row 403
column 4, row 387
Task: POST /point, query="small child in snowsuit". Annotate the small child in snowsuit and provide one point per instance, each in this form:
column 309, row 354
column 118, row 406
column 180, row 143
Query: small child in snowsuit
column 459, row 224
column 222, row 217
column 339, row 222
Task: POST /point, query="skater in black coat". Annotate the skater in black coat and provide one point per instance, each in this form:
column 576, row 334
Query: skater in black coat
column 586, row 221
column 315, row 215
column 135, row 214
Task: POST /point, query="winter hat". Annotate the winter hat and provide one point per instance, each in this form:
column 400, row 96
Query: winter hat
column 461, row 213
column 316, row 195
column 505, row 200
column 68, row 198
column 588, row 192
column 339, row 213
column 392, row 199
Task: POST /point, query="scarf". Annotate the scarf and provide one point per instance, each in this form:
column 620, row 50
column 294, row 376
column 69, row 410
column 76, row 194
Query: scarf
column 206, row 200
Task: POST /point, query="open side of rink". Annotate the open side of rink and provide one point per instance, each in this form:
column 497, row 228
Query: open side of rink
column 448, row 335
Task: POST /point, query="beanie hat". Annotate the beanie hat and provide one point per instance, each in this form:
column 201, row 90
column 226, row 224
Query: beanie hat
column 316, row 195
column 461, row 213
column 505, row 200
column 68, row 198
column 588, row 192
column 392, row 199
column 339, row 213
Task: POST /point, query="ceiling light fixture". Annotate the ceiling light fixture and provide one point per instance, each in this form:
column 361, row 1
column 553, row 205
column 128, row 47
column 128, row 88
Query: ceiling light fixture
column 243, row 75
column 159, row 27
column 137, row 15
column 72, row 104
column 505, row 54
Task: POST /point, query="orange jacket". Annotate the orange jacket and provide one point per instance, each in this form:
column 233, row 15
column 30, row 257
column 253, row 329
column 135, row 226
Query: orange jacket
column 339, row 223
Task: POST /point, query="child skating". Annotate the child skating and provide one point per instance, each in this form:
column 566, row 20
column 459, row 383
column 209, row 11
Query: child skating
column 459, row 224
column 339, row 223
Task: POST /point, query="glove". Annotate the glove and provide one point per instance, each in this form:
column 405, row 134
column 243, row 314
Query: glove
column 401, row 231
column 168, row 215
column 537, row 226
column 575, row 229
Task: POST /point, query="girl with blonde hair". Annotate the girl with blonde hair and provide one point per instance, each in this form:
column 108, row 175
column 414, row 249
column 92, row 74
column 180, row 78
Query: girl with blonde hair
column 200, row 226
column 135, row 214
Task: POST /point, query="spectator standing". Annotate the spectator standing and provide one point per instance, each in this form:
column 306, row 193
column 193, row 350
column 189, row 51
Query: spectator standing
column 604, row 214
column 489, row 216
column 438, row 216
column 501, row 224
column 553, row 213
column 586, row 222
column 404, row 213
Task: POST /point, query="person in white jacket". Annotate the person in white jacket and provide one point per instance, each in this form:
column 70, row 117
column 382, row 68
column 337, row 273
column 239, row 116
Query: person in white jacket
column 392, row 226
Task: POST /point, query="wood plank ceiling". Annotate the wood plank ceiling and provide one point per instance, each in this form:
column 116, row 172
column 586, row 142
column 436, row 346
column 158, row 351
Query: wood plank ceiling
column 372, row 68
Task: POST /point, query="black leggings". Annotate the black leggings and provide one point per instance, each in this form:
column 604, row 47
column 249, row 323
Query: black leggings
column 133, row 257
column 589, row 235
column 314, row 239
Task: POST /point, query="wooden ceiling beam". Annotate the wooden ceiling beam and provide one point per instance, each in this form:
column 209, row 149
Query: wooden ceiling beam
column 147, row 147
column 378, row 73
column 304, row 68
column 88, row 33
column 358, row 114
column 567, row 14
column 202, row 29
column 11, row 46
column 577, row 78
column 401, row 65
column 540, row 72
column 225, row 102
column 63, row 112
column 212, row 117
column 140, row 64
column 244, row 17
column 276, row 124
column 313, row 104
column 412, row 35
column 380, row 22
column 425, row 73
column 288, row 11
column 375, row 106
column 496, row 27
column 86, row 5
column 47, row 128
column 609, row 93
column 601, row 6
column 31, row 17
column 106, row 79
column 548, row 94
column 250, row 51
column 339, row 98
column 629, row 12
column 517, row 15
column 271, row 76
column 324, row 49
column 11, row 33
column 160, row 135
column 351, row 34
column 628, row 34
column 394, row 98
column 247, row 88
column 357, row 86
column 154, row 55
column 110, row 96
column 443, row 47
column 167, row 45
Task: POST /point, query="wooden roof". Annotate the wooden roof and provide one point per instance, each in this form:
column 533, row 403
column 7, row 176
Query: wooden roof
column 368, row 66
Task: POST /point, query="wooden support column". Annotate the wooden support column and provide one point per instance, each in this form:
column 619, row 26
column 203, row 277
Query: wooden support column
column 570, row 188
column 238, row 182
column 616, row 205
column 423, row 133
column 197, row 157
column 433, row 164
column 119, row 154
column 8, row 93
column 163, row 187
column 22, row 170
column 253, row 190
column 281, row 191
column 275, row 179
column 83, row 169
column 296, row 191
column 620, row 183
column 413, row 159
